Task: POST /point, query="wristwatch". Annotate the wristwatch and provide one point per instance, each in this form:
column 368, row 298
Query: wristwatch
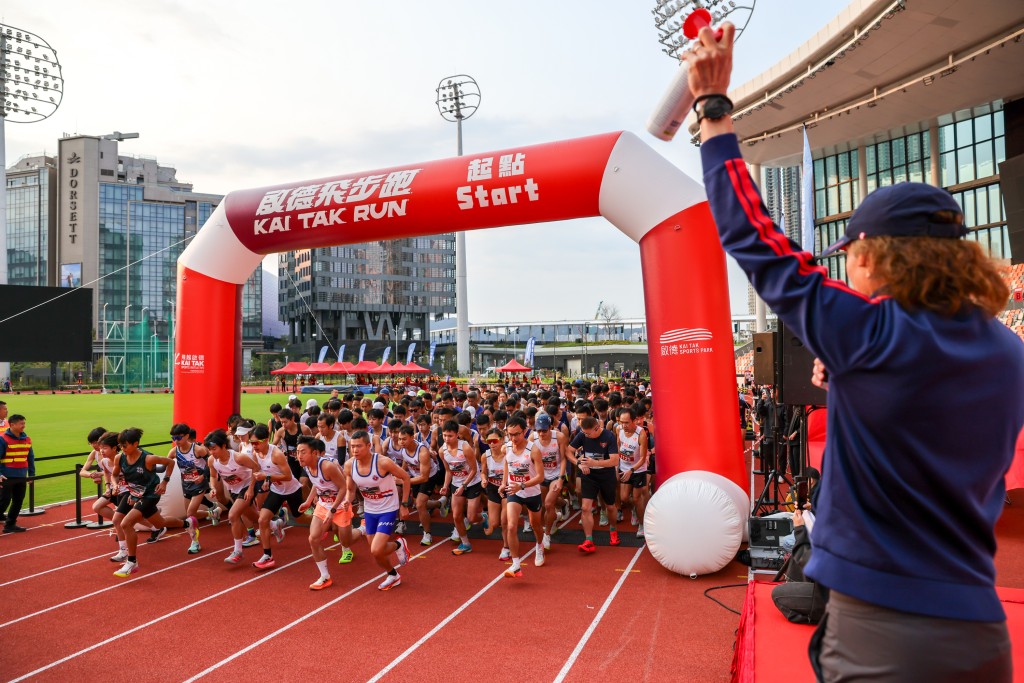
column 712, row 107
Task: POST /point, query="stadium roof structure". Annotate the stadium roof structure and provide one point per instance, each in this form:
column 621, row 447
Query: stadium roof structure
column 880, row 65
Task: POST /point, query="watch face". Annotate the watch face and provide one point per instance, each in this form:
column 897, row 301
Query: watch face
column 716, row 108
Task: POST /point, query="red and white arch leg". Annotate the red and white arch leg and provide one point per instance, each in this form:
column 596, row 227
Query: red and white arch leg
column 696, row 520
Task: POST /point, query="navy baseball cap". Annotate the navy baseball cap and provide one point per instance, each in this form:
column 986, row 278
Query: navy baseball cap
column 904, row 210
column 542, row 421
column 385, row 390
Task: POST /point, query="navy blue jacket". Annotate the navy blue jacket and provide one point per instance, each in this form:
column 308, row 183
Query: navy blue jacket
column 923, row 415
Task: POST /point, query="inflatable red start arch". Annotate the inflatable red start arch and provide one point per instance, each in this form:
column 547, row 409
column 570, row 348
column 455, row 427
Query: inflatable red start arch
column 697, row 518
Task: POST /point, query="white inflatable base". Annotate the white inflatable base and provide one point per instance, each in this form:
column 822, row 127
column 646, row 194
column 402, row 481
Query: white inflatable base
column 172, row 503
column 695, row 522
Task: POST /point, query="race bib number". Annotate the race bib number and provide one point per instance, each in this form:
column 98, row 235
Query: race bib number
column 193, row 477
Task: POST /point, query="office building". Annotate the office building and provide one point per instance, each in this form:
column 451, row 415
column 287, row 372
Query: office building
column 123, row 222
column 31, row 221
column 383, row 294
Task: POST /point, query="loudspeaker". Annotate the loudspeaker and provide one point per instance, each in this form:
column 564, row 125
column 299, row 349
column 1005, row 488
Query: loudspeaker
column 1011, row 184
column 764, row 358
column 796, row 363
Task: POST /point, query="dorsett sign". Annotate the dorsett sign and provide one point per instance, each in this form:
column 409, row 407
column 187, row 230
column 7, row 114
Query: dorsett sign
column 74, row 171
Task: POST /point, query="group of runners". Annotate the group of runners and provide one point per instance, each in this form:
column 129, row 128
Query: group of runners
column 373, row 468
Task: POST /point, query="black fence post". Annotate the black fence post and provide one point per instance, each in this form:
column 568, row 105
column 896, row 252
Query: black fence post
column 31, row 512
column 78, row 523
column 100, row 523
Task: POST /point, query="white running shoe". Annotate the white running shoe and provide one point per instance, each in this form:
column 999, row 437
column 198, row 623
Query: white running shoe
column 633, row 519
column 538, row 557
column 234, row 558
column 400, row 528
column 359, row 509
column 402, row 552
column 444, row 509
column 277, row 526
column 122, row 555
column 526, row 526
column 546, row 542
column 390, row 582
column 427, row 539
column 214, row 515
column 640, row 531
column 618, row 516
column 127, row 569
column 604, row 518
column 454, row 538
column 505, row 554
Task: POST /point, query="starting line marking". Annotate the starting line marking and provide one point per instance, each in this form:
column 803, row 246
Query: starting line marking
column 284, row 628
column 630, row 571
column 597, row 619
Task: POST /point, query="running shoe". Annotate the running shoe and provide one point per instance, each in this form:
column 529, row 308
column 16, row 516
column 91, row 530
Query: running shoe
column 546, row 543
column 336, row 538
column 604, row 518
column 250, row 541
column 618, row 516
column 121, row 556
column 359, row 509
column 514, row 573
column 278, row 529
column 538, row 557
column 486, row 523
column 400, row 528
column 156, row 535
column 613, row 538
column 265, row 562
column 194, row 548
column 427, row 539
column 390, row 582
column 468, row 524
column 587, row 547
column 234, row 558
column 127, row 569
column 213, row 514
column 575, row 503
column 633, row 519
column 193, row 530
column 526, row 526
column 504, row 555
column 346, row 556
column 402, row 552
column 444, row 509
column 559, row 515
column 321, row 583
column 640, row 531
column 455, row 538
column 463, row 549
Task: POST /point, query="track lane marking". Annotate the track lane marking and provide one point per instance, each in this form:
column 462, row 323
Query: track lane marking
column 298, row 621
column 597, row 618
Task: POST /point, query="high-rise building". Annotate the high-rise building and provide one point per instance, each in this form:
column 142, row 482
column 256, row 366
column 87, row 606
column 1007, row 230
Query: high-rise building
column 781, row 189
column 31, row 221
column 123, row 222
column 379, row 293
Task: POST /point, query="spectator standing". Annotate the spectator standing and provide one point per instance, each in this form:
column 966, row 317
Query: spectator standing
column 17, row 464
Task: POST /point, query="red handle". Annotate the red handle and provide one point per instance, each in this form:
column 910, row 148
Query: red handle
column 697, row 20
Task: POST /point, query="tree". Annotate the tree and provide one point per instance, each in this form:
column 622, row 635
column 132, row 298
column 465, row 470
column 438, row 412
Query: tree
column 610, row 314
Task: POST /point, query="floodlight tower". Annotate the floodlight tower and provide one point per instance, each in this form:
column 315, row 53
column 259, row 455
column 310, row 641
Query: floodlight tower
column 458, row 98
column 671, row 15
column 31, row 89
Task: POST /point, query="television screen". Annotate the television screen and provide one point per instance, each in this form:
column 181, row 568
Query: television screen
column 45, row 323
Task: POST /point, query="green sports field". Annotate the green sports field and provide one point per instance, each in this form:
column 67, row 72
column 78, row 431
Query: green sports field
column 58, row 424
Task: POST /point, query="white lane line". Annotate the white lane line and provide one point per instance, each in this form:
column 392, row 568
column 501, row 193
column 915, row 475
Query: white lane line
column 301, row 619
column 88, row 559
column 65, row 540
column 158, row 619
column 597, row 618
column 110, row 588
column 444, row 622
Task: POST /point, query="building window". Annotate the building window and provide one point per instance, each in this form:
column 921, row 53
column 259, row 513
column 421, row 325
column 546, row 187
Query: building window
column 972, row 144
column 899, row 160
column 835, row 184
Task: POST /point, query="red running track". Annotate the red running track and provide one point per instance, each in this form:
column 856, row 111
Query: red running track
column 195, row 618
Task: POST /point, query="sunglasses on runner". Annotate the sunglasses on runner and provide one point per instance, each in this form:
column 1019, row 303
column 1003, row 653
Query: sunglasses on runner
column 177, row 437
column 493, row 441
column 256, row 440
column 514, row 434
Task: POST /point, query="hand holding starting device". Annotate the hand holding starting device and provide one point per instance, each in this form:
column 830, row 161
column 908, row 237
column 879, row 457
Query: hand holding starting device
column 671, row 112
column 819, row 375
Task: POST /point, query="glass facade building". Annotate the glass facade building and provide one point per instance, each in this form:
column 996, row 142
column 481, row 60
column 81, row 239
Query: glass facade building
column 31, row 221
column 379, row 293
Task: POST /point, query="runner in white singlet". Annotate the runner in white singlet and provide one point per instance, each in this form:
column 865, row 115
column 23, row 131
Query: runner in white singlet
column 633, row 464
column 375, row 478
column 464, row 475
column 551, row 445
column 326, row 480
column 235, row 472
column 425, row 477
column 492, row 462
column 281, row 488
column 524, row 471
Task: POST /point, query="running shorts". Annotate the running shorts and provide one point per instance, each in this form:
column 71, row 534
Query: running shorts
column 380, row 523
column 431, row 485
column 274, row 501
column 531, row 503
column 493, row 494
column 473, row 491
column 603, row 484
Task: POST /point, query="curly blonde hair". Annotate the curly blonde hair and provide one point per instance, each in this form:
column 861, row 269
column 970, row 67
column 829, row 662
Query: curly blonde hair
column 937, row 274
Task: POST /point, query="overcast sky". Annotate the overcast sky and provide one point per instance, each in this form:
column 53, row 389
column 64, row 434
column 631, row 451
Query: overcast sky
column 242, row 94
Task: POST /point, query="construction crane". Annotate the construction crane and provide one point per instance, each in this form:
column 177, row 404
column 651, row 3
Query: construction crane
column 597, row 313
